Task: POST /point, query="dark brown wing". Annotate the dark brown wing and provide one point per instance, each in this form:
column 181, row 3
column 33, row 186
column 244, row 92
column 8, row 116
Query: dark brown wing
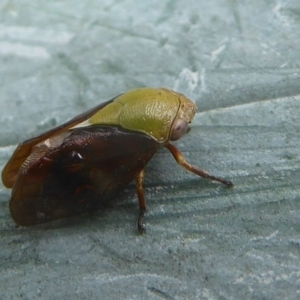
column 12, row 167
column 88, row 168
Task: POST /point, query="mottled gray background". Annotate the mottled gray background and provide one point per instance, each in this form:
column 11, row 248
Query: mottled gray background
column 239, row 60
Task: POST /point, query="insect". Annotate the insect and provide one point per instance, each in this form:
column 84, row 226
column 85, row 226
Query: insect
column 79, row 165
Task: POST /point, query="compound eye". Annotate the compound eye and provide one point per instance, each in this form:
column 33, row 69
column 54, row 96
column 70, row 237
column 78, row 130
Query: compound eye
column 179, row 129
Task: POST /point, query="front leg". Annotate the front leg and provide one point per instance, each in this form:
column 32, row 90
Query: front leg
column 182, row 161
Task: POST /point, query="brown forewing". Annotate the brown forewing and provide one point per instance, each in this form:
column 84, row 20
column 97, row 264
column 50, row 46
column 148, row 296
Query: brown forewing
column 90, row 166
column 12, row 167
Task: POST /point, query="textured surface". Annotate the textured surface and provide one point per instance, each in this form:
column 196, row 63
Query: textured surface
column 239, row 60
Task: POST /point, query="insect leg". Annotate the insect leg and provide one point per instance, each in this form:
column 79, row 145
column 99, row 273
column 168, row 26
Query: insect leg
column 182, row 161
column 142, row 201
